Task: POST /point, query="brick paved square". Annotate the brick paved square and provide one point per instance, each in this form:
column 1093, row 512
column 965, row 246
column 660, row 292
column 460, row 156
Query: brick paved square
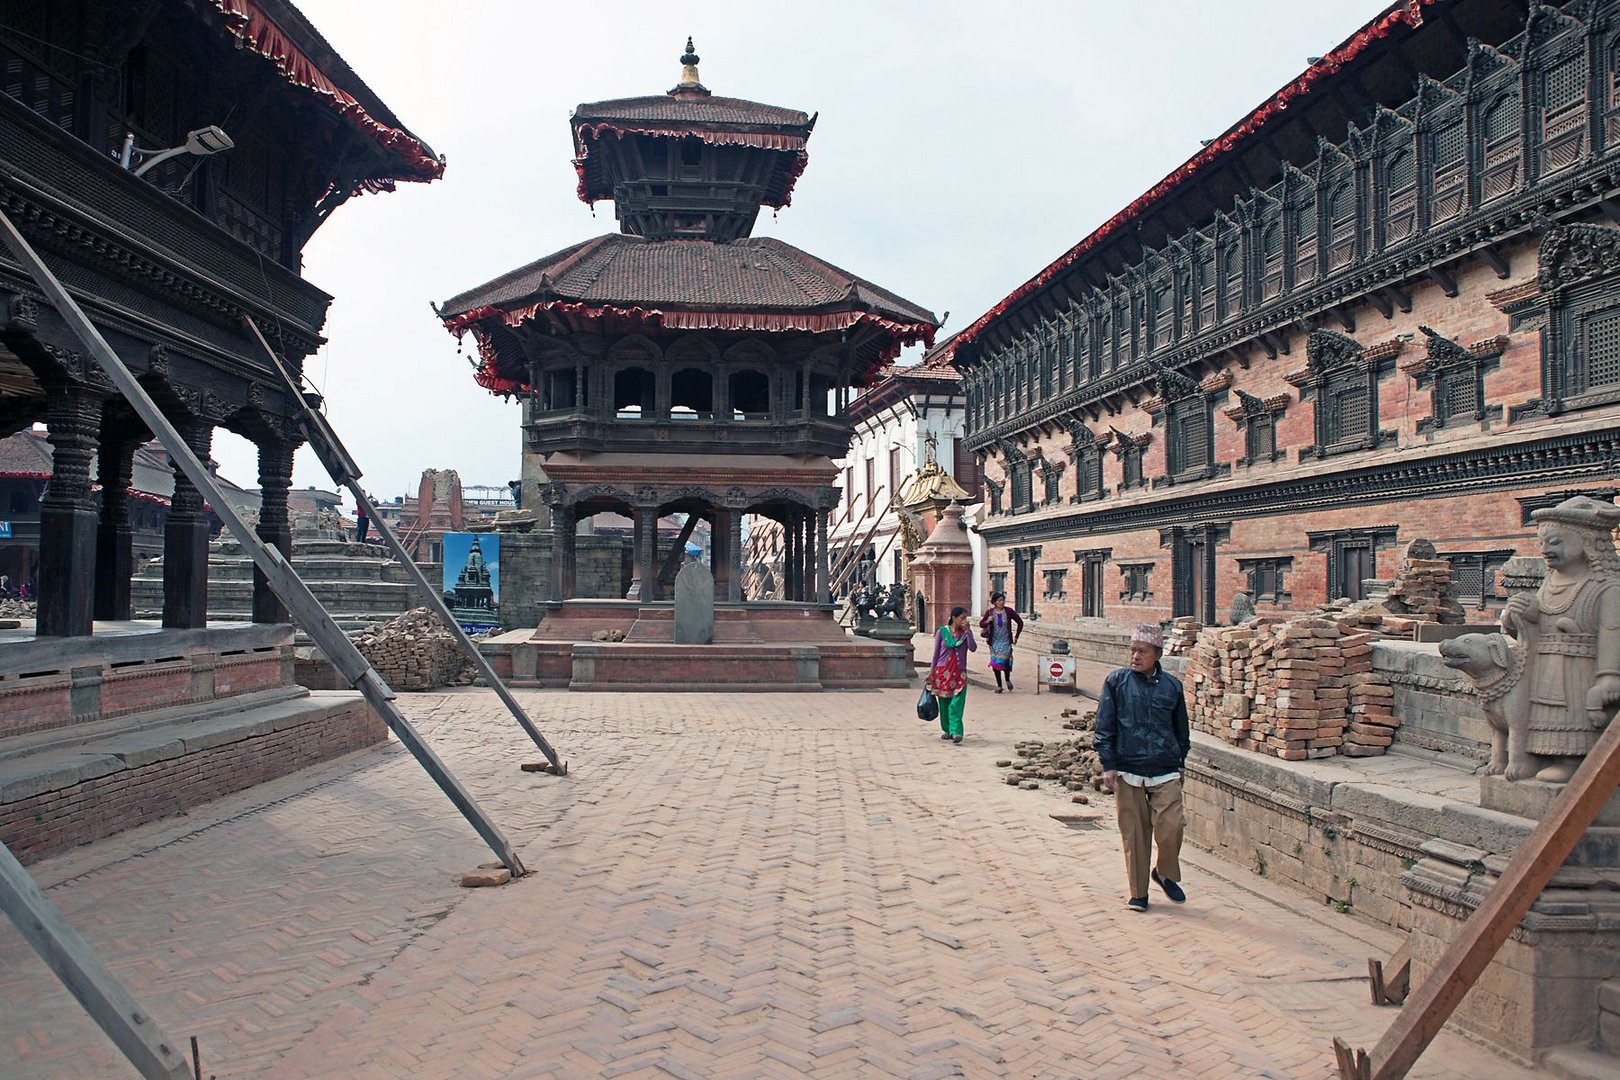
column 751, row 885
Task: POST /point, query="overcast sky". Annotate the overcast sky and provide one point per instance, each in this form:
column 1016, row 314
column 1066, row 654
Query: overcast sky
column 960, row 148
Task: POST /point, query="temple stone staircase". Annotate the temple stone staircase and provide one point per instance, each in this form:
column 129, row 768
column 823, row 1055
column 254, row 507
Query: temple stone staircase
column 359, row 584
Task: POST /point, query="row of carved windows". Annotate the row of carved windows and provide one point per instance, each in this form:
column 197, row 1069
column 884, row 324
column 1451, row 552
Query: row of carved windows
column 1454, row 148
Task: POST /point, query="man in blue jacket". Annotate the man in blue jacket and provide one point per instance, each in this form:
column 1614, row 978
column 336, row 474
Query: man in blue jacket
column 1142, row 738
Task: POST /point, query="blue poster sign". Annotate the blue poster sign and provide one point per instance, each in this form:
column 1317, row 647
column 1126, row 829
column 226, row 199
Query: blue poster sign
column 5, row 530
column 472, row 579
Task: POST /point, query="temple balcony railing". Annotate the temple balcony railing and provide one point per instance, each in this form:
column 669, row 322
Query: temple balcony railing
column 591, row 432
column 141, row 257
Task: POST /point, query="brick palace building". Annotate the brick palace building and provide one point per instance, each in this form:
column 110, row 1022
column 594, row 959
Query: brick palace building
column 1383, row 305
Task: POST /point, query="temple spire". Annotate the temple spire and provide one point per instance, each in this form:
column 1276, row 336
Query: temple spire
column 689, row 84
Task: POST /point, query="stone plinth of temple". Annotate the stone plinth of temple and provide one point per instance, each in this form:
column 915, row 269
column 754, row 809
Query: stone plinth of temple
column 943, row 569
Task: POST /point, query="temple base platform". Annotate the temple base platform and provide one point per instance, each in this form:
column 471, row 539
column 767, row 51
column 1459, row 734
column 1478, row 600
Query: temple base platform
column 758, row 647
column 134, row 723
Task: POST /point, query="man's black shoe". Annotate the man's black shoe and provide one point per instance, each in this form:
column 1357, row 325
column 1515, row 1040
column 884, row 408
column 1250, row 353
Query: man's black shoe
column 1137, row 904
column 1171, row 889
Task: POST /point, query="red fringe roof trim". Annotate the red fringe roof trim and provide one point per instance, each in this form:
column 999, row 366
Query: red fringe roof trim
column 1406, row 13
column 258, row 32
column 900, row 334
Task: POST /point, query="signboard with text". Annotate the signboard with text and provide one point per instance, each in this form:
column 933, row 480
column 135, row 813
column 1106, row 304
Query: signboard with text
column 1055, row 671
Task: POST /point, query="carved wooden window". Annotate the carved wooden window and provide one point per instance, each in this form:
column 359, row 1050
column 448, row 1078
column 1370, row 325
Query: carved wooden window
column 1500, row 126
column 1022, row 484
column 1305, row 247
column 1130, row 457
column 1611, row 123
column 1265, row 579
column 1400, row 196
column 994, row 489
column 1456, row 379
column 1047, row 351
column 1207, row 285
column 1134, row 586
column 1260, row 438
column 871, row 488
column 1232, row 279
column 1051, row 482
column 1161, row 315
column 965, row 467
column 1271, row 253
column 1088, row 473
column 1449, row 155
column 1600, row 349
column 1054, row 583
column 1024, row 578
column 1473, row 576
column 1187, row 442
column 998, row 582
column 1563, row 114
column 1347, row 407
column 1352, row 557
column 895, row 479
column 1341, row 211
column 1091, row 580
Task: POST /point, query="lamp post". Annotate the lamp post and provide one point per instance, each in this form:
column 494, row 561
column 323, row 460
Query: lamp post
column 204, row 142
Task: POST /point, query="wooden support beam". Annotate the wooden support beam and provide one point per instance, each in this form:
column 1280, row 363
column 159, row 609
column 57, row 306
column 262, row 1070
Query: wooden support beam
column 1478, row 939
column 673, row 559
column 1267, row 344
column 1496, row 261
column 1447, row 283
column 1400, row 296
column 1347, row 317
column 130, row 1027
column 1390, row 981
column 1381, row 302
column 1611, row 209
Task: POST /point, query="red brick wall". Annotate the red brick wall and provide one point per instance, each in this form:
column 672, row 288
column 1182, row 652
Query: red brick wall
column 55, row 821
column 1476, row 522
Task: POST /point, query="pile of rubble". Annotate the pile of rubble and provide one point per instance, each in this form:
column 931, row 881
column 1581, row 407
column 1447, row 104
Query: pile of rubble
column 16, row 609
column 1295, row 689
column 1421, row 592
column 1070, row 762
column 416, row 652
column 1182, row 637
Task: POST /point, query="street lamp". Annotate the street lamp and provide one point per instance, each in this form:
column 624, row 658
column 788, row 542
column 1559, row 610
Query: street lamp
column 204, row 142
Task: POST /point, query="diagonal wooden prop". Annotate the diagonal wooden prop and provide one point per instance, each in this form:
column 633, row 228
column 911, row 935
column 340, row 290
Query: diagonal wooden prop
column 1527, row 874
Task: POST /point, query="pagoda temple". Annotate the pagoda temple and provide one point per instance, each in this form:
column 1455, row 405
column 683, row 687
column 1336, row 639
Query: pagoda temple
column 683, row 365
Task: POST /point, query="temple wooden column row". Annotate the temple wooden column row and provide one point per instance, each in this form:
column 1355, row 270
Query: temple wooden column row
column 86, row 556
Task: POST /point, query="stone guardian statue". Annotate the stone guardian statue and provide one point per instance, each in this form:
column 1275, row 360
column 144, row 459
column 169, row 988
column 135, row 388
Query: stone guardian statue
column 1570, row 630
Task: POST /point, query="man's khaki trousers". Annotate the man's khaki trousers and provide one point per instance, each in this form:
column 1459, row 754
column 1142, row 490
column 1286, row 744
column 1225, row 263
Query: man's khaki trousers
column 1150, row 817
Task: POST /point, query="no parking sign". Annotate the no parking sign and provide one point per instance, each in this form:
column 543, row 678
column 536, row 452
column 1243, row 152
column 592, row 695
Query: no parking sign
column 1055, row 671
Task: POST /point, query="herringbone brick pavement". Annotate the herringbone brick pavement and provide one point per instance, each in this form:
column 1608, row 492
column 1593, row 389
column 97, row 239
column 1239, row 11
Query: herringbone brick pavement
column 746, row 885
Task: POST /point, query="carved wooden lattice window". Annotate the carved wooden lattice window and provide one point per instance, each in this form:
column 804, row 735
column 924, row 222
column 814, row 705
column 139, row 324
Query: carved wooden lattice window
column 1501, row 126
column 1348, row 412
column 1088, row 473
column 1563, row 114
column 1232, row 274
column 1134, row 587
column 1473, row 576
column 1449, row 153
column 1305, row 246
column 998, row 582
column 1207, row 286
column 1265, row 579
column 994, row 490
column 1341, row 208
column 1612, row 88
column 1187, row 443
column 1260, row 438
column 1601, row 350
column 1458, row 374
column 1130, row 456
column 1051, row 477
column 1054, row 583
column 1271, row 249
column 1400, row 195
column 1160, row 315
column 1022, row 484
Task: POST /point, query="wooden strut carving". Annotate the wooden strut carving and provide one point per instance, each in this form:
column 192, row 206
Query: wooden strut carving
column 1460, row 966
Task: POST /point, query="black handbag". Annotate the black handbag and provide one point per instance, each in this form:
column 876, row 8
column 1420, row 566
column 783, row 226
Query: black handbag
column 927, row 707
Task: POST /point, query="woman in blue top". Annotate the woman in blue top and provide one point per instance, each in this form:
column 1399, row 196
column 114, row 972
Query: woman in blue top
column 1001, row 627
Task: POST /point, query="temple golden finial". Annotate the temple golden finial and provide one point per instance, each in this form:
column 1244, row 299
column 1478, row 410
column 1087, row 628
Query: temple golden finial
column 689, row 73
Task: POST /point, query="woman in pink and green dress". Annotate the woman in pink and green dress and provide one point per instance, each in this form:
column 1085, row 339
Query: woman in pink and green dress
column 947, row 675
column 1002, row 627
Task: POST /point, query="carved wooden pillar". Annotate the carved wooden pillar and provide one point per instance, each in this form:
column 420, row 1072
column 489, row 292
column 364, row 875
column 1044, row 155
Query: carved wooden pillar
column 734, row 557
column 67, row 513
column 647, row 552
column 790, row 555
column 275, row 526
column 823, row 570
column 185, row 539
column 115, row 556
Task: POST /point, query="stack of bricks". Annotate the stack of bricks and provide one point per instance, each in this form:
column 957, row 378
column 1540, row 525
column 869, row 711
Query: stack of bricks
column 1421, row 592
column 415, row 652
column 1182, row 637
column 1295, row 689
